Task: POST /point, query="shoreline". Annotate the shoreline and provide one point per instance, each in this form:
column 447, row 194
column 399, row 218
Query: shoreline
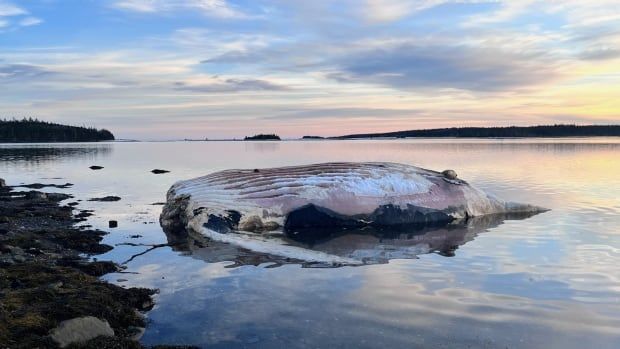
column 51, row 288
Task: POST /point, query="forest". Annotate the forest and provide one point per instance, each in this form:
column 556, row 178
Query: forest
column 34, row 130
column 500, row 132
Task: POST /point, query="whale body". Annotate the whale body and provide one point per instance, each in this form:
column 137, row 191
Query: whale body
column 325, row 196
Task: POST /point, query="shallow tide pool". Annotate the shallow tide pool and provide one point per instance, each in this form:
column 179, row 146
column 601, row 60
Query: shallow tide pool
column 549, row 281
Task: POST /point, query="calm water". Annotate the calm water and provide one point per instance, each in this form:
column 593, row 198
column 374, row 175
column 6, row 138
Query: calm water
column 550, row 281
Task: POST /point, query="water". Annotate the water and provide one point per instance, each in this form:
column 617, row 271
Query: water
column 549, row 281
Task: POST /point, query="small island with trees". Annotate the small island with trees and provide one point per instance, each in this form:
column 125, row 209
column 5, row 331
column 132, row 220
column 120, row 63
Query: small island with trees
column 262, row 137
column 37, row 131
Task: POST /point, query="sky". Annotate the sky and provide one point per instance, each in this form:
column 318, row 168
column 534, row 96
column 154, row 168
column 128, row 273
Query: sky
column 174, row 69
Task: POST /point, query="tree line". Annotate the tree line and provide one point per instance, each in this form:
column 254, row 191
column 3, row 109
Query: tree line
column 33, row 130
column 500, row 132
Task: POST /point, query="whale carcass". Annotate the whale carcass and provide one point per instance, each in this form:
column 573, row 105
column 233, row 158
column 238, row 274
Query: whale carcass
column 315, row 197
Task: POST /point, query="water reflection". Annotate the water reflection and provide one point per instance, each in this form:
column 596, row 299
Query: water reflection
column 370, row 245
column 550, row 281
column 50, row 153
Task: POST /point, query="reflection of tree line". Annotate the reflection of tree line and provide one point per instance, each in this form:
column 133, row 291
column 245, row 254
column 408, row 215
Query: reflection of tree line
column 42, row 154
column 493, row 147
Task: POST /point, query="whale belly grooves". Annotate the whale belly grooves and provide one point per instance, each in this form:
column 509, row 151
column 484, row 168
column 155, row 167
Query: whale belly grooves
column 330, row 195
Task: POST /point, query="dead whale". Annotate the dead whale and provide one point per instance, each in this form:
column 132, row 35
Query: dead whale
column 323, row 196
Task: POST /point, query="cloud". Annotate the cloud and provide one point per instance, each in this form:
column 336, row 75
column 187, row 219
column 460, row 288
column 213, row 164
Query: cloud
column 21, row 72
column 413, row 67
column 8, row 10
column 231, row 85
column 211, row 8
column 30, row 21
column 392, row 10
column 341, row 113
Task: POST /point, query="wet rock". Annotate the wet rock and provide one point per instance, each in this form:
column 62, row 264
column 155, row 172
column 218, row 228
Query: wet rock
column 449, row 174
column 96, row 268
column 80, row 330
column 41, row 186
column 135, row 333
column 2, row 183
column 36, row 195
column 45, row 277
column 106, row 198
column 95, row 168
column 57, row 196
column 158, row 171
column 113, row 224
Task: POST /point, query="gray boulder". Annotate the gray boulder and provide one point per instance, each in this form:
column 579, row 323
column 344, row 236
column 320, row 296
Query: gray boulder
column 2, row 183
column 80, row 329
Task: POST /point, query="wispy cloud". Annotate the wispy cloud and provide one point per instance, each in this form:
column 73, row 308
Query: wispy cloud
column 21, row 72
column 230, row 85
column 30, row 21
column 212, row 8
column 414, row 67
column 8, row 9
column 13, row 16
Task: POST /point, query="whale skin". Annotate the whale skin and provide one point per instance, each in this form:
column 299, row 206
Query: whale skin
column 339, row 195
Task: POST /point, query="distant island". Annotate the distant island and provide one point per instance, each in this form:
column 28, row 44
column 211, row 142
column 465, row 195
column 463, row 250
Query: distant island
column 263, row 137
column 36, row 131
column 312, row 137
column 499, row 132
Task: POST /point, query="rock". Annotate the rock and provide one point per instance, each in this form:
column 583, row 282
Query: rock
column 80, row 330
column 106, row 199
column 2, row 183
column 147, row 304
column 57, row 196
column 41, row 186
column 113, row 224
column 36, row 195
column 135, row 333
column 450, row 174
column 158, row 171
column 95, row 168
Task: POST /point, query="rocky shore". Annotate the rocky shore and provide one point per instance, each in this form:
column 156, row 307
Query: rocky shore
column 51, row 294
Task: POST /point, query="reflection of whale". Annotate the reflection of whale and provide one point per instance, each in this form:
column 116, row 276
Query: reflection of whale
column 369, row 245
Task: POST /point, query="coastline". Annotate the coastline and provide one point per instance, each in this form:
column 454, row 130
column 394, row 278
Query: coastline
column 49, row 283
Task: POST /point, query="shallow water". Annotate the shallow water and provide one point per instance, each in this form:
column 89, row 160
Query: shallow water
column 549, row 281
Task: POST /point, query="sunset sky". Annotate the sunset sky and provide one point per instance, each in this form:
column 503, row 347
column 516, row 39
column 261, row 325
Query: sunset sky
column 170, row 69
